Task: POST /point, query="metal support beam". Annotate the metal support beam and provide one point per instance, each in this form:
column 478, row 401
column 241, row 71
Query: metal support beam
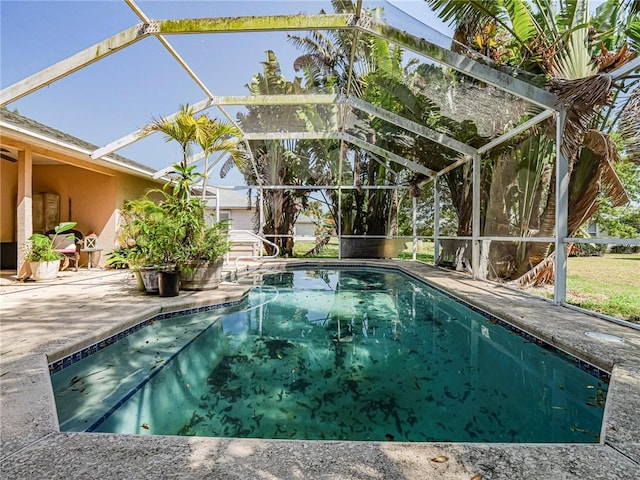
column 73, row 63
column 461, row 63
column 411, row 165
column 339, row 226
column 218, row 101
column 267, row 23
column 144, row 131
column 411, row 126
column 455, row 164
column 191, row 159
column 141, row 15
column 138, row 11
column 261, row 214
column 291, row 135
column 414, row 221
column 299, row 99
column 352, row 57
column 562, row 214
column 606, row 241
column 436, row 220
column 516, row 131
column 626, row 69
column 475, row 218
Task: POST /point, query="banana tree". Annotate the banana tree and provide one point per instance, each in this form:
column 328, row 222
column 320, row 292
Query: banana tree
column 561, row 46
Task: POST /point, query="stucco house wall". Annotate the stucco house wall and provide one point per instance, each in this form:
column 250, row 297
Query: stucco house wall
column 8, row 200
column 91, row 191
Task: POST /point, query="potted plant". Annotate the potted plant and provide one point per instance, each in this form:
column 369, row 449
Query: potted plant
column 44, row 261
column 153, row 237
column 178, row 233
column 202, row 263
column 205, row 245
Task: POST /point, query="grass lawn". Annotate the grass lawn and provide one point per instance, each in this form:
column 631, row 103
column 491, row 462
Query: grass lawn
column 609, row 284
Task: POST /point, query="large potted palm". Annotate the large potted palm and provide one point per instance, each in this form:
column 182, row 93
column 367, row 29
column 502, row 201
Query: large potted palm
column 203, row 246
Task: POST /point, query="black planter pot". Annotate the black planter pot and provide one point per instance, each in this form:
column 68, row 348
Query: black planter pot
column 168, row 283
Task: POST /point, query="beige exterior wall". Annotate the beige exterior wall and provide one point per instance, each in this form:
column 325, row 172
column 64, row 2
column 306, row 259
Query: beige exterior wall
column 8, row 200
column 241, row 219
column 129, row 187
column 87, row 198
column 90, row 194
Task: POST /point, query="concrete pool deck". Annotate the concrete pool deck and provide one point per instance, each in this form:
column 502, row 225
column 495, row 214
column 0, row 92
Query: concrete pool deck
column 44, row 322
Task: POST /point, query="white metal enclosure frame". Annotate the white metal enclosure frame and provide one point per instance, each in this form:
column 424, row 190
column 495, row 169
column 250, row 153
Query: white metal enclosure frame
column 358, row 24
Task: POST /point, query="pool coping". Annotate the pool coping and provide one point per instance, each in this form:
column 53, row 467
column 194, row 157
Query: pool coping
column 30, row 435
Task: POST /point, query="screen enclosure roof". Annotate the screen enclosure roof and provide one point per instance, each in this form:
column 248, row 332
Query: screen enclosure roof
column 219, row 60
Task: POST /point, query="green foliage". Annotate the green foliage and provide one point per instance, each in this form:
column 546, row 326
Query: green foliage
column 119, row 258
column 173, row 231
column 623, row 222
column 41, row 247
column 589, row 249
column 283, row 162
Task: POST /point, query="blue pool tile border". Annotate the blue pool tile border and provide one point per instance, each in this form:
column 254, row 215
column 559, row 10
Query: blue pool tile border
column 101, row 344
column 585, row 366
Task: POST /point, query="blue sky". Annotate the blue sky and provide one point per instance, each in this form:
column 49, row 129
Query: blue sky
column 124, row 91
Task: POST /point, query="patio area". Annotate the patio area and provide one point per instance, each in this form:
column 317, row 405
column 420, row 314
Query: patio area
column 44, row 322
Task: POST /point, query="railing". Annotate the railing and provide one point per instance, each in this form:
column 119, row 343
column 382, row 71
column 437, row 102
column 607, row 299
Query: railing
column 258, row 238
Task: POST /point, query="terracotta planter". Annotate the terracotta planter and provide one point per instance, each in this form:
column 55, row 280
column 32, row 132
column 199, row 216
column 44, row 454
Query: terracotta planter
column 150, row 279
column 44, row 271
column 202, row 275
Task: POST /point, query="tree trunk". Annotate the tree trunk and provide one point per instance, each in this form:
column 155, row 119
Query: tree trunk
column 501, row 255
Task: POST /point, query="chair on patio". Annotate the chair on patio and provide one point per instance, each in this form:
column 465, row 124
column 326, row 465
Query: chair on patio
column 68, row 245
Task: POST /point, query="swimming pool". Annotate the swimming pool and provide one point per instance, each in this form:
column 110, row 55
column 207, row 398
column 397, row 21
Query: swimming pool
column 344, row 354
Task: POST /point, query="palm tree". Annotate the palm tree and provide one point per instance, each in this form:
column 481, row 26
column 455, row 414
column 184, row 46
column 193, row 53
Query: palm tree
column 188, row 130
column 377, row 73
column 213, row 136
column 181, row 128
column 277, row 162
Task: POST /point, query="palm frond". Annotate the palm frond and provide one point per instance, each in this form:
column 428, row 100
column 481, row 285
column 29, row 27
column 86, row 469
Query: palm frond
column 479, row 12
column 522, row 20
column 633, row 33
column 227, row 166
column 574, row 61
column 633, row 6
column 547, row 23
column 583, row 99
column 629, row 126
column 571, row 13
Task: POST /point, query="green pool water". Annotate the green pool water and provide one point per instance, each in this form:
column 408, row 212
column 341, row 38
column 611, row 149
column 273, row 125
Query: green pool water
column 353, row 354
